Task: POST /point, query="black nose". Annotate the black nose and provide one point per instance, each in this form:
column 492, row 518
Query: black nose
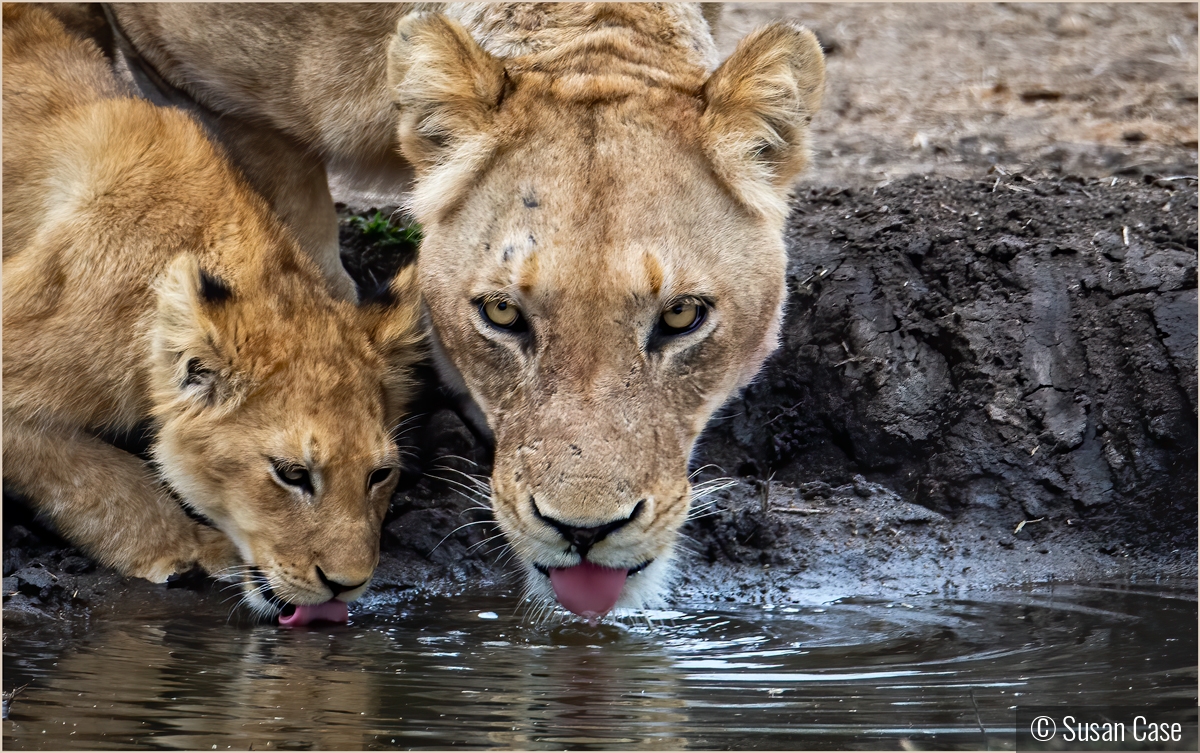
column 334, row 586
column 582, row 539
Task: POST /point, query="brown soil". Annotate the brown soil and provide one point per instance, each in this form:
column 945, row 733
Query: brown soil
column 944, row 89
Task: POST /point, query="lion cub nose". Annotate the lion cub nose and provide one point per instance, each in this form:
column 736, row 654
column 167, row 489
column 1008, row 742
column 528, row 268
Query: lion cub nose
column 584, row 538
column 337, row 587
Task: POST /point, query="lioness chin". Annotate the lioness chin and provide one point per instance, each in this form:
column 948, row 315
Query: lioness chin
column 603, row 205
column 144, row 281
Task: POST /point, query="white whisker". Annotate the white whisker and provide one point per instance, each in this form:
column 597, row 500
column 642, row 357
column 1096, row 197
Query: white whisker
column 459, row 457
column 456, row 530
column 478, row 544
column 701, row 469
column 481, row 483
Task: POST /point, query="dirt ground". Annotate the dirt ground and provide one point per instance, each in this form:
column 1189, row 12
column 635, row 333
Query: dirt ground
column 946, row 88
column 988, row 373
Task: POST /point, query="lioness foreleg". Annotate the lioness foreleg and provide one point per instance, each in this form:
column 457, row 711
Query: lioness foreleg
column 107, row 501
column 294, row 182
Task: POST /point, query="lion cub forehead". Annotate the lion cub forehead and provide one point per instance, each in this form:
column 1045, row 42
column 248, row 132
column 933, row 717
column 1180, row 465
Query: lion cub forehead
column 300, row 338
column 322, row 438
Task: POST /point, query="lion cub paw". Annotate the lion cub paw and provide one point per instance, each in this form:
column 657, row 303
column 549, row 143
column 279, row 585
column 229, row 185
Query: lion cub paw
column 216, row 552
column 210, row 550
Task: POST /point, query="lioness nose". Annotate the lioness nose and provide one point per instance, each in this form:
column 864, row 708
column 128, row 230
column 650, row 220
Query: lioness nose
column 584, row 538
column 335, row 586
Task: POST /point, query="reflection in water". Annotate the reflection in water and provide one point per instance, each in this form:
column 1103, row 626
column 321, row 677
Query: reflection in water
column 595, row 687
column 861, row 674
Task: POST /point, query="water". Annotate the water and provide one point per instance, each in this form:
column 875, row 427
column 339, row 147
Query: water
column 469, row 672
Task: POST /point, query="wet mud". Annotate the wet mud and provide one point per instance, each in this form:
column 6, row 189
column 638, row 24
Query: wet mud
column 1011, row 347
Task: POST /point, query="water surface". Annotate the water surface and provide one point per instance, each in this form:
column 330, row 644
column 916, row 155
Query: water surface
column 472, row 672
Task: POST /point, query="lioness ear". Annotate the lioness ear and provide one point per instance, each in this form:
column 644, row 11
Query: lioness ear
column 444, row 85
column 189, row 365
column 393, row 324
column 758, row 105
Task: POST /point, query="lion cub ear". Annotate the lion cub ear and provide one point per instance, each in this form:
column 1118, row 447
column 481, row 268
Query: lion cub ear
column 189, row 366
column 758, row 106
column 392, row 319
column 445, row 86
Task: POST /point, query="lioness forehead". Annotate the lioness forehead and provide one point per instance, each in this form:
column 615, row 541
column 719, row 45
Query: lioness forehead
column 613, row 203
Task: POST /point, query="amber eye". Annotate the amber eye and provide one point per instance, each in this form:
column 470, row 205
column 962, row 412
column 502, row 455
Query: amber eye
column 504, row 314
column 682, row 316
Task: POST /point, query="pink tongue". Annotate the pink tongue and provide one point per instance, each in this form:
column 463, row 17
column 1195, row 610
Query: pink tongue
column 587, row 590
column 331, row 611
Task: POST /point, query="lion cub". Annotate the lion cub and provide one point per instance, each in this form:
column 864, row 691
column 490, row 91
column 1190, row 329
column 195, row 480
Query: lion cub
column 144, row 280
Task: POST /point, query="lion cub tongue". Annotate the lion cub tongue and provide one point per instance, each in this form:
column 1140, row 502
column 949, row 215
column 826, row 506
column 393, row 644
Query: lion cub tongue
column 331, row 611
column 587, row 590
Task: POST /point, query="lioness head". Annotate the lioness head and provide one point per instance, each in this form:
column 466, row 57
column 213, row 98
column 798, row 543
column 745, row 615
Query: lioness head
column 276, row 406
column 604, row 266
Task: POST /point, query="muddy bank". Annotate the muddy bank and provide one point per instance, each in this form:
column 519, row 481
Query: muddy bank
column 1011, row 344
column 981, row 382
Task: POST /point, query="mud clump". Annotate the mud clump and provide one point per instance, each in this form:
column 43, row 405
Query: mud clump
column 1010, row 349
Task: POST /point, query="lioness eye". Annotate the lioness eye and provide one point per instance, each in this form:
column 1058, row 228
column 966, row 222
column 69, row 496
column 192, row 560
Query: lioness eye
column 293, row 475
column 379, row 475
column 504, row 314
column 681, row 317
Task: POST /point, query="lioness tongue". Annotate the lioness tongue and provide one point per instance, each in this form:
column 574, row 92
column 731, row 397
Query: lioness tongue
column 331, row 611
column 587, row 590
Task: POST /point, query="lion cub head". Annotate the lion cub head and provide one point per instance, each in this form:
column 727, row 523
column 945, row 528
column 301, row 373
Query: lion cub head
column 276, row 406
column 603, row 265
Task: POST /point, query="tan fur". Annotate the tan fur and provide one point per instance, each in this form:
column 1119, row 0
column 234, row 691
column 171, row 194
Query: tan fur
column 589, row 163
column 301, row 91
column 112, row 209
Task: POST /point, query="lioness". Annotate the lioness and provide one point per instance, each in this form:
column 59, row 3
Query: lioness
column 603, row 263
column 143, row 279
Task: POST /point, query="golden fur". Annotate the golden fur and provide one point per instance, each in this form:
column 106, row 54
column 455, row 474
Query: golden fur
column 144, row 280
column 589, row 165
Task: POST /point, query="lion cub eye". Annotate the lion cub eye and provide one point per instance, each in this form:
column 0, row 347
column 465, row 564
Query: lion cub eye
column 379, row 475
column 682, row 317
column 503, row 314
column 290, row 474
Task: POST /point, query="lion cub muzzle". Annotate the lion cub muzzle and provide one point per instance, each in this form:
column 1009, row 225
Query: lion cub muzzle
column 329, row 607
